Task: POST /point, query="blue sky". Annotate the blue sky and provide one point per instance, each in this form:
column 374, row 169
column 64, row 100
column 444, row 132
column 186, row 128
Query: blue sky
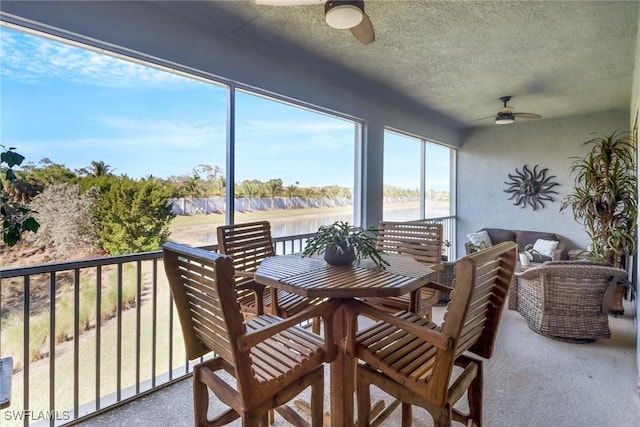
column 72, row 106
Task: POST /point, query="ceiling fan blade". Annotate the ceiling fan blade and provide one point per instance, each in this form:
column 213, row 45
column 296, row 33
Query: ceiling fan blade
column 288, row 2
column 364, row 31
column 484, row 118
column 527, row 115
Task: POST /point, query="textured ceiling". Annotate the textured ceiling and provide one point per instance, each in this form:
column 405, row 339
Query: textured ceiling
column 556, row 58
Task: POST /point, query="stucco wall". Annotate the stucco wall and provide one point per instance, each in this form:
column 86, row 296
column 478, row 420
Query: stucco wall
column 635, row 118
column 489, row 154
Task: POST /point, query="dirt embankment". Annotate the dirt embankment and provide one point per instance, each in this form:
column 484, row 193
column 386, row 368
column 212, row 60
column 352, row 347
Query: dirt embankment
column 26, row 255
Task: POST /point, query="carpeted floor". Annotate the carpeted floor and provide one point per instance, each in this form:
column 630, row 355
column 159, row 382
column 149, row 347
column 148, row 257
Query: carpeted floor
column 531, row 381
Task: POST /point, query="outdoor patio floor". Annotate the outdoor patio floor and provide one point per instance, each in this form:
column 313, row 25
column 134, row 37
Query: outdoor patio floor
column 532, row 381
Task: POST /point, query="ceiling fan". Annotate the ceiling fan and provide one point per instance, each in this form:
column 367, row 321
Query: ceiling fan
column 341, row 14
column 506, row 116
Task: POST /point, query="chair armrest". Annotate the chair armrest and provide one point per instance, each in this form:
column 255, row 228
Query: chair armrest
column 355, row 308
column 437, row 266
column 529, row 273
column 243, row 273
column 439, row 286
column 248, row 284
column 556, row 255
column 258, row 292
column 325, row 310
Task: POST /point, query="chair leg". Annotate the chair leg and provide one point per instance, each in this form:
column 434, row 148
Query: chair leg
column 315, row 325
column 443, row 418
column 200, row 399
column 407, row 415
column 364, row 401
column 317, row 401
column 252, row 420
column 474, row 397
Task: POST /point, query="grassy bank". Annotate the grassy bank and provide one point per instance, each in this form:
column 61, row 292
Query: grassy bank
column 108, row 357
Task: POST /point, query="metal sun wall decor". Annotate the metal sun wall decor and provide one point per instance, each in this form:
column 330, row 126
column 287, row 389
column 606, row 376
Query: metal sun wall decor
column 530, row 187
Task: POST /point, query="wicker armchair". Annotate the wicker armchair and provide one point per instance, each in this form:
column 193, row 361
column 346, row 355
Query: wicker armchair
column 567, row 300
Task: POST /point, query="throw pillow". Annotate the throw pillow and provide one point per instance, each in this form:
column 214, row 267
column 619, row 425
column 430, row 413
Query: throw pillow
column 545, row 247
column 480, row 239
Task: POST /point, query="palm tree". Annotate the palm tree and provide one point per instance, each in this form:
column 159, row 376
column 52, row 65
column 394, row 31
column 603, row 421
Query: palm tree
column 605, row 200
column 273, row 187
column 250, row 189
column 309, row 194
column 291, row 191
column 324, row 193
column 213, row 178
column 99, row 168
column 194, row 187
column 604, row 197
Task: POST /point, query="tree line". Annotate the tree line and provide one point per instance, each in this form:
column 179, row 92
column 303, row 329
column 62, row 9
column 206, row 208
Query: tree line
column 93, row 206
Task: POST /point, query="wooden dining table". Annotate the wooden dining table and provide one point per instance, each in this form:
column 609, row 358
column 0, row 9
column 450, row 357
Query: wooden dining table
column 312, row 277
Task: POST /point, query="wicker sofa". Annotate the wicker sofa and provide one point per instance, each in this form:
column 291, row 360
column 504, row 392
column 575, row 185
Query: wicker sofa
column 566, row 300
column 524, row 238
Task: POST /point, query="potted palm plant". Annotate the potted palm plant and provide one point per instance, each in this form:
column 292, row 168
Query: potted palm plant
column 604, row 199
column 341, row 244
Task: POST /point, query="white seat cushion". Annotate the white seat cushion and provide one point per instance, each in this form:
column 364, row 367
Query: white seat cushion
column 545, row 247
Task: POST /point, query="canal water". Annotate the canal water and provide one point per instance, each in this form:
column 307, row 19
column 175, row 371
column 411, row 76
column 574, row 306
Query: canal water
column 294, row 225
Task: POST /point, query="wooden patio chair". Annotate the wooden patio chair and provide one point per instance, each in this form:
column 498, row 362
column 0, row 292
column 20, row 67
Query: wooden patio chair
column 423, row 242
column 248, row 244
column 413, row 359
column 271, row 359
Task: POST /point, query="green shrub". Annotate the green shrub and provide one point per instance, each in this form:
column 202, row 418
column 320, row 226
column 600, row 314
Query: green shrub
column 12, row 328
column 38, row 335
column 87, row 306
column 13, row 334
column 110, row 294
column 64, row 316
column 132, row 216
column 15, row 219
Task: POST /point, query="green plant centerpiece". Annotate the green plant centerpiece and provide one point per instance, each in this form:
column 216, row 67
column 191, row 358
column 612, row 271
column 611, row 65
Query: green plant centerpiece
column 604, row 198
column 342, row 244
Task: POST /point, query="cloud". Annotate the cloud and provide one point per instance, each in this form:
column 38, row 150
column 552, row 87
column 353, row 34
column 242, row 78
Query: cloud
column 282, row 136
column 32, row 59
column 295, row 127
column 142, row 139
column 165, row 133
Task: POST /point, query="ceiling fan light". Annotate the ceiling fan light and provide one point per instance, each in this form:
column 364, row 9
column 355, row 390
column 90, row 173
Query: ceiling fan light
column 343, row 14
column 504, row 119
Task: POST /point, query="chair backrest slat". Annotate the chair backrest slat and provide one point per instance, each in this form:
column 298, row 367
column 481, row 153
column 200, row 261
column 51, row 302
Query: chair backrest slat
column 204, row 293
column 247, row 244
column 473, row 314
column 419, row 240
